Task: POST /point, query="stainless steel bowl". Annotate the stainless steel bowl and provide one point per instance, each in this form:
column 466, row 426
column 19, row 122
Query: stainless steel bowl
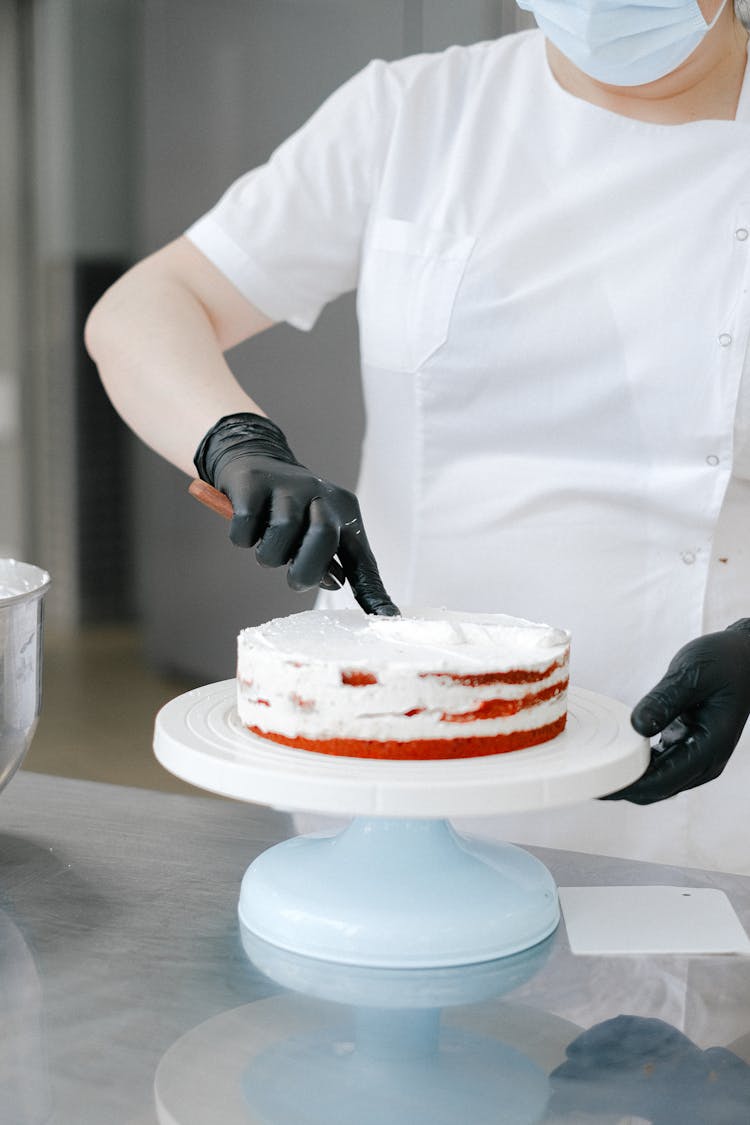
column 22, row 590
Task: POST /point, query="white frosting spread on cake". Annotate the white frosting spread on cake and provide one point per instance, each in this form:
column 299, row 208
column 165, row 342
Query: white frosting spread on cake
column 328, row 675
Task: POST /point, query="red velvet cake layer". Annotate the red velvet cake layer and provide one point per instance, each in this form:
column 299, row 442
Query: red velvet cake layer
column 421, row 749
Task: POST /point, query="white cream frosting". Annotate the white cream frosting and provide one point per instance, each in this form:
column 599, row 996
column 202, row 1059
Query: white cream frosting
column 290, row 670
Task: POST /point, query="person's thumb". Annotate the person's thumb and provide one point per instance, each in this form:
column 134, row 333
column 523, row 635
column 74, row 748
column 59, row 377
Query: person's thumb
column 660, row 706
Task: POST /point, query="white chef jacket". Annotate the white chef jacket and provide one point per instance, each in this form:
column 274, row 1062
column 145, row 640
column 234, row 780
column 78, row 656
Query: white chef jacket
column 554, row 310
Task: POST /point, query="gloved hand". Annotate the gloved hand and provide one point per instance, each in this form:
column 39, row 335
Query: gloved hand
column 289, row 514
column 700, row 707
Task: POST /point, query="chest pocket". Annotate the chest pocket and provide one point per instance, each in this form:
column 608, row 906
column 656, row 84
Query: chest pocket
column 407, row 288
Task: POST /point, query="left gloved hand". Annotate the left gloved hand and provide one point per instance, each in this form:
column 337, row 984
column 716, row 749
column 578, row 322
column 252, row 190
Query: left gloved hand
column 700, row 707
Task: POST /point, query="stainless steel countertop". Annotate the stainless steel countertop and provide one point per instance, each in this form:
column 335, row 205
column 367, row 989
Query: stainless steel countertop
column 126, row 997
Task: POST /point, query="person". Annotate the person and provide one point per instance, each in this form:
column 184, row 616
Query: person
column 549, row 235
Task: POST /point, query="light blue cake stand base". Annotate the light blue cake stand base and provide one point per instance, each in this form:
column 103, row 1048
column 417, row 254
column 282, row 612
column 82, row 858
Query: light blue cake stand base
column 398, row 887
column 400, row 893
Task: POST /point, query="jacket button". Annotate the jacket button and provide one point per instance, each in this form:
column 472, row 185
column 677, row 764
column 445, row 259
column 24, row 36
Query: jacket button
column 688, row 558
column 712, row 459
column 725, row 339
column 741, row 234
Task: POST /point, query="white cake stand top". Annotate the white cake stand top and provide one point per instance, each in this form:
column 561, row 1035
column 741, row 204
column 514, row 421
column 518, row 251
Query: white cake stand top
column 199, row 738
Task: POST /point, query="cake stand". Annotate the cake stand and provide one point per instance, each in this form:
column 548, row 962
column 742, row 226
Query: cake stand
column 399, row 887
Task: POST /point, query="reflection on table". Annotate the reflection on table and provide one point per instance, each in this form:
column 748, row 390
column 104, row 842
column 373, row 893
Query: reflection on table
column 24, row 1082
column 121, row 956
column 353, row 1044
column 635, row 1067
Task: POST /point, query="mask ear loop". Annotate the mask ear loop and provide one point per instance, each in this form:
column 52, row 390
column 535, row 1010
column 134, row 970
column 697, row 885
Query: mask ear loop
column 714, row 21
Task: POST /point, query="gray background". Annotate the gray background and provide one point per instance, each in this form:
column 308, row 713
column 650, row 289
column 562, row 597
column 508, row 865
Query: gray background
column 121, row 122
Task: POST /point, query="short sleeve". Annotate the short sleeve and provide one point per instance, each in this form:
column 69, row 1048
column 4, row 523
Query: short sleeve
column 288, row 234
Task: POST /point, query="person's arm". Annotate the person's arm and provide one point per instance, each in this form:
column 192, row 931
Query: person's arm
column 158, row 338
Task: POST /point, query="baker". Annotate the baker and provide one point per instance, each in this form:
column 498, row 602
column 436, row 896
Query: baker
column 549, row 236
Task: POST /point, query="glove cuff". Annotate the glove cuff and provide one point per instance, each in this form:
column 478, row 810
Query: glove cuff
column 236, row 434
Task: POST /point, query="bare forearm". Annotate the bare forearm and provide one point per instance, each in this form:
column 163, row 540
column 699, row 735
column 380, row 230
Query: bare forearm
column 160, row 357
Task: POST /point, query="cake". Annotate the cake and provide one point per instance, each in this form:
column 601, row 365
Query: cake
column 430, row 684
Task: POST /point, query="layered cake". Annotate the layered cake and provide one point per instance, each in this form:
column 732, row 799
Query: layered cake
column 430, row 684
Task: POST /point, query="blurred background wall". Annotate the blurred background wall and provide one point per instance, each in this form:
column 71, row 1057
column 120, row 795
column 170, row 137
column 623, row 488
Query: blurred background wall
column 11, row 527
column 120, row 122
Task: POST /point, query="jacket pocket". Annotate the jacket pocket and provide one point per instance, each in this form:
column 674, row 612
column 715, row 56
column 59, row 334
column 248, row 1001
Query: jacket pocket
column 407, row 289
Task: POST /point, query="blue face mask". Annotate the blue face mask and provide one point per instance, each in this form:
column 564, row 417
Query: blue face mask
column 621, row 43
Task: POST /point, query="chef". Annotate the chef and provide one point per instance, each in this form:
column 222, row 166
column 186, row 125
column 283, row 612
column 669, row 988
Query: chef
column 549, row 236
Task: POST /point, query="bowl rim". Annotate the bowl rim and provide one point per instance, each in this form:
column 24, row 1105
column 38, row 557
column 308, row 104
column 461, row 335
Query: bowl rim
column 38, row 578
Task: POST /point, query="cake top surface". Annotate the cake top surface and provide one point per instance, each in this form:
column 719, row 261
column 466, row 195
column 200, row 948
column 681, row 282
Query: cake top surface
column 436, row 638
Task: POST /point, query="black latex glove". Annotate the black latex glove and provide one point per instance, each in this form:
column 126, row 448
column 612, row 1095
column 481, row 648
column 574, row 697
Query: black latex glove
column 700, row 707
column 287, row 513
column 645, row 1067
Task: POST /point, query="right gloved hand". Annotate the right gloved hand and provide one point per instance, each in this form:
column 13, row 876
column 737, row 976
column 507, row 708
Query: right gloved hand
column 287, row 513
